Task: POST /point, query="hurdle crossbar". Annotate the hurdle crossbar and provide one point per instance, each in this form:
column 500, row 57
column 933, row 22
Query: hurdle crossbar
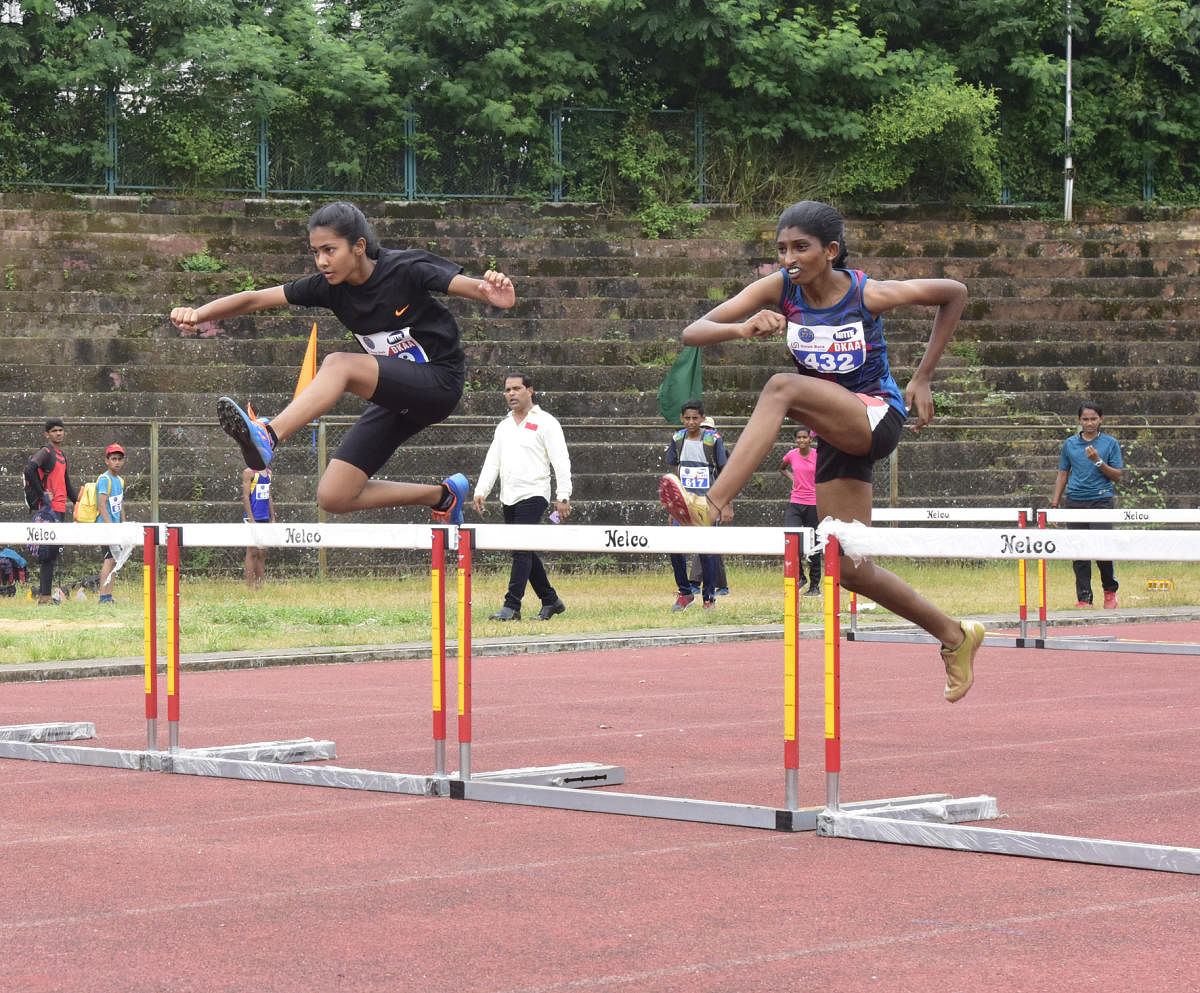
column 855, row 541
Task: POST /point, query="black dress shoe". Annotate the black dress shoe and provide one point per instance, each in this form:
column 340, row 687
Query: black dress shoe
column 506, row 614
column 550, row 609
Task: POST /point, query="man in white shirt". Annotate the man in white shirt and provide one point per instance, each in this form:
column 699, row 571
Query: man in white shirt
column 526, row 445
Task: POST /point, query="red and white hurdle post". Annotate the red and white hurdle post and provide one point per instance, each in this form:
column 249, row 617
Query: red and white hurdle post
column 793, row 550
column 150, row 630
column 466, row 541
column 833, row 672
column 438, row 598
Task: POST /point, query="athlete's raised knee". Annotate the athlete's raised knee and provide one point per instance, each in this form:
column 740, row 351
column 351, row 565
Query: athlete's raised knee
column 334, row 499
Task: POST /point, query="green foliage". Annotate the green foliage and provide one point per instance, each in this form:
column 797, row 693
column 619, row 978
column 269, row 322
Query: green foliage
column 1144, row 480
column 924, row 140
column 883, row 98
column 201, row 262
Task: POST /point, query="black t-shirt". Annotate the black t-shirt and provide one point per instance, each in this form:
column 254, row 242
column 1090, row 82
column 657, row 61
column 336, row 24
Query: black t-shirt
column 392, row 313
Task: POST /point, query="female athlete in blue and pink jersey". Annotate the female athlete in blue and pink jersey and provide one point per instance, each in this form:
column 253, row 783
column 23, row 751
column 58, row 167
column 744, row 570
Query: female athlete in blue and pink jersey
column 843, row 389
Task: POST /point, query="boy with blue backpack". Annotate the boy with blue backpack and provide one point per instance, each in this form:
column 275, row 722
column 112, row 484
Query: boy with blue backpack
column 696, row 456
column 110, row 509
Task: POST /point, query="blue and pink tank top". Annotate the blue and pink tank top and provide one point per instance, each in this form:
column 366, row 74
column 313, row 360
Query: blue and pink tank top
column 843, row 343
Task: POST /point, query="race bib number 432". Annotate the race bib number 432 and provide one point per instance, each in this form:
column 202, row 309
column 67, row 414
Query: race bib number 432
column 828, row 348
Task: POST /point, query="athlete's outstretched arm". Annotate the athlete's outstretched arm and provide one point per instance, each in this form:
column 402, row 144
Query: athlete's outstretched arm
column 741, row 316
column 494, row 288
column 234, row 305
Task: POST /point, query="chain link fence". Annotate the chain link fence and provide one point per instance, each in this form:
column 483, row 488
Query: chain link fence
column 106, row 142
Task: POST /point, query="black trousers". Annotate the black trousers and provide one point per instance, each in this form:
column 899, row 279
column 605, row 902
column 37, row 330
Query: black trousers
column 527, row 568
column 804, row 515
column 1083, row 567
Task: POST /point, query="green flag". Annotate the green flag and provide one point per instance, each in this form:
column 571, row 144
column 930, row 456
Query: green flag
column 682, row 384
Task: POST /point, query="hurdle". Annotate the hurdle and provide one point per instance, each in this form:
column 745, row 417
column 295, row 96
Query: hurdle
column 42, row 742
column 654, row 540
column 1102, row 643
column 279, row 762
column 1018, row 516
column 916, row 825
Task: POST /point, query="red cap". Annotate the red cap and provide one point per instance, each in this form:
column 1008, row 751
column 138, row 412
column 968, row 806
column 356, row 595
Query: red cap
column 113, row 448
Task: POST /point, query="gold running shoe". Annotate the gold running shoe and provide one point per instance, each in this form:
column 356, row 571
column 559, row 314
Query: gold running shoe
column 958, row 661
column 684, row 507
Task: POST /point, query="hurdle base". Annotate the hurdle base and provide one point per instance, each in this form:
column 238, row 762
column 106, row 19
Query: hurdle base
column 185, row 763
column 1075, row 643
column 911, row 828
column 295, row 750
column 569, row 775
column 59, row 731
column 664, row 807
column 109, row 758
column 902, row 637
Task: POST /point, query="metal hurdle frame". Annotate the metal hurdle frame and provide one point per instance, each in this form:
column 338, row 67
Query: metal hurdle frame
column 279, row 761
column 915, row 826
column 1100, row 643
column 40, row 742
column 655, row 540
column 1019, row 516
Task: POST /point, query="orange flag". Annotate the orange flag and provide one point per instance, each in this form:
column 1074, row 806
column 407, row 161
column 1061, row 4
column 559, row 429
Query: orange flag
column 308, row 368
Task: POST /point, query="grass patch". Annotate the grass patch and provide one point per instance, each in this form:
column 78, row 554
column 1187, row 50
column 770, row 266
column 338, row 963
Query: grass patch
column 218, row 615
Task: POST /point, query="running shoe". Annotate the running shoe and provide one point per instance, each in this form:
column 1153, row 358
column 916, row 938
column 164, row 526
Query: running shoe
column 682, row 602
column 1083, row 605
column 710, row 604
column 684, row 507
column 248, row 431
column 959, row 661
column 1110, row 600
column 456, row 487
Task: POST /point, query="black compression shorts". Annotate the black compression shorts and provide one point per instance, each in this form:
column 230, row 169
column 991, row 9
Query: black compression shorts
column 832, row 463
column 410, row 396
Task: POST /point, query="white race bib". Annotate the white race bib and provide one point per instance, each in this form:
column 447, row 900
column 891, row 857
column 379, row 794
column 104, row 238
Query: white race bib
column 828, row 348
column 393, row 344
column 694, row 477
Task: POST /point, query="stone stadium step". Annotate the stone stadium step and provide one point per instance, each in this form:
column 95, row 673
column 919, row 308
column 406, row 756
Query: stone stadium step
column 1106, row 307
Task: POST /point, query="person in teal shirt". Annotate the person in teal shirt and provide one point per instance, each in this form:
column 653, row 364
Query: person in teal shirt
column 1088, row 470
column 110, row 507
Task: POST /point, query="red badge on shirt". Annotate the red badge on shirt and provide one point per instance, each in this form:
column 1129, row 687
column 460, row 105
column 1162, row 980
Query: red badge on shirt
column 529, row 426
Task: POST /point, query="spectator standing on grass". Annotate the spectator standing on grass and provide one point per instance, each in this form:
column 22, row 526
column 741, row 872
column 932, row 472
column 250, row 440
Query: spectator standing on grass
column 696, row 456
column 1088, row 469
column 526, row 445
column 110, row 509
column 799, row 467
column 47, row 472
column 258, row 507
